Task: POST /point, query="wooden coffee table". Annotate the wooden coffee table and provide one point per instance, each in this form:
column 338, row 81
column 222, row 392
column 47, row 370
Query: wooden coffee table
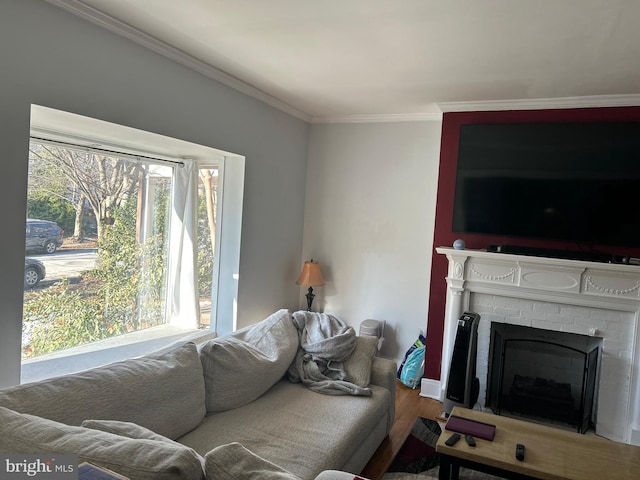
column 550, row 453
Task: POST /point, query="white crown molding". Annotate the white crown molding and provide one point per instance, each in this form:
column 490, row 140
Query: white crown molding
column 91, row 14
column 380, row 118
column 593, row 101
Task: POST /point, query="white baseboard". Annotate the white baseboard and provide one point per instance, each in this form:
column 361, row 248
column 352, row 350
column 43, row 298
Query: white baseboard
column 431, row 389
column 635, row 437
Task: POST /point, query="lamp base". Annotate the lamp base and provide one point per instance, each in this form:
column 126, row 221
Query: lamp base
column 310, row 297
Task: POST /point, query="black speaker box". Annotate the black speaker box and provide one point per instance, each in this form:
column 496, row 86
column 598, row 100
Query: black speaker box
column 463, row 387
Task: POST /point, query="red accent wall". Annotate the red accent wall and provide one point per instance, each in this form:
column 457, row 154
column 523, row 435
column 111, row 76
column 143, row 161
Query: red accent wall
column 443, row 236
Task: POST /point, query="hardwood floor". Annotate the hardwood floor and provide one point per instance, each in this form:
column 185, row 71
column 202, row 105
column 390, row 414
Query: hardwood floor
column 409, row 406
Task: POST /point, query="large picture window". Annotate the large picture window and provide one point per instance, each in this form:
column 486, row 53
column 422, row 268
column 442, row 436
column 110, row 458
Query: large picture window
column 132, row 257
column 109, row 276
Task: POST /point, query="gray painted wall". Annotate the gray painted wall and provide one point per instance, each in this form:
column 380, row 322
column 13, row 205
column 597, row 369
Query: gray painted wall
column 51, row 58
column 369, row 217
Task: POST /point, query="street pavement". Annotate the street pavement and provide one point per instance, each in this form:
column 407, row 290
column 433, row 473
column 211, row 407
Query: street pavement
column 67, row 263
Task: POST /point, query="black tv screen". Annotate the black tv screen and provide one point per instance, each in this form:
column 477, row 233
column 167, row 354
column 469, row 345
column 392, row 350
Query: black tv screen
column 573, row 182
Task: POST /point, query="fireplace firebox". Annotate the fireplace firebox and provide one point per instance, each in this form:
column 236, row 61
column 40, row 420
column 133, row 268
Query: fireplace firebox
column 544, row 374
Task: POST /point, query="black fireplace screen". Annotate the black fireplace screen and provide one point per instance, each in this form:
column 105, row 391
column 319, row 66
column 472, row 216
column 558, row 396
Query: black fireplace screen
column 543, row 374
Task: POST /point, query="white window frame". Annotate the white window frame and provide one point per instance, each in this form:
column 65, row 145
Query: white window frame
column 70, row 128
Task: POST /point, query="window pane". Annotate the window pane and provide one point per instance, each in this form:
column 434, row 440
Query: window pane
column 207, row 220
column 118, row 209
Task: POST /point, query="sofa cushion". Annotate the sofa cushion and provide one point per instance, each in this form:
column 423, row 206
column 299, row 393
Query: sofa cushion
column 358, row 366
column 233, row 461
column 135, row 459
column 241, row 366
column 299, row 430
column 163, row 392
column 126, row 429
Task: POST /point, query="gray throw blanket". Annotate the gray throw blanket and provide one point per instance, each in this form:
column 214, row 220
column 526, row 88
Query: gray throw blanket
column 325, row 343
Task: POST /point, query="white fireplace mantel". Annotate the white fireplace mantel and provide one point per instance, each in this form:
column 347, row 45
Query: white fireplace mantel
column 607, row 289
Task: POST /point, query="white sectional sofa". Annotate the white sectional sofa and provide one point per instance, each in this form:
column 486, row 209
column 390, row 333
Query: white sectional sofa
column 223, row 409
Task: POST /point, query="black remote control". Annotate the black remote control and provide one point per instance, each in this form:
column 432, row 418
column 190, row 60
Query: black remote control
column 451, row 441
column 520, row 452
column 470, row 440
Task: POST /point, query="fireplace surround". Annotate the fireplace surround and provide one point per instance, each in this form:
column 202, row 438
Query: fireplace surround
column 598, row 300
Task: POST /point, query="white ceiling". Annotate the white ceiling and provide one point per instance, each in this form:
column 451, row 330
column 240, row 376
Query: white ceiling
column 332, row 59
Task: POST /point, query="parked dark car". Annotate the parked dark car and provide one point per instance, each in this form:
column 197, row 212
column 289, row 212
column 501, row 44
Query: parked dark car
column 43, row 235
column 34, row 271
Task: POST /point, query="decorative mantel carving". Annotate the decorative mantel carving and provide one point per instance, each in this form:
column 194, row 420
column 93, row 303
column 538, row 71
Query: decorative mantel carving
column 574, row 282
column 587, row 284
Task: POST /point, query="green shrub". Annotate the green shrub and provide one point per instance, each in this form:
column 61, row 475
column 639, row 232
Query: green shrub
column 205, row 252
column 59, row 318
column 128, row 293
column 133, row 274
column 55, row 209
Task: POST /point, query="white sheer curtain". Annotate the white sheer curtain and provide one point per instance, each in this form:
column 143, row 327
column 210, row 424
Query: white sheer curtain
column 183, row 306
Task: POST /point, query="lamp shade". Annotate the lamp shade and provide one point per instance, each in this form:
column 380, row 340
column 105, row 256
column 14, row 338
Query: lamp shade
column 310, row 275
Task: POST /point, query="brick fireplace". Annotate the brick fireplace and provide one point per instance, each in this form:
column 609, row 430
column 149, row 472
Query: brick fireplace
column 596, row 299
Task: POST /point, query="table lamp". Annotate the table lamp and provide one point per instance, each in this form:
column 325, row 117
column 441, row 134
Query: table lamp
column 310, row 277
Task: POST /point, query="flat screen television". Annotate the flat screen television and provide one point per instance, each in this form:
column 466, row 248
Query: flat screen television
column 572, row 182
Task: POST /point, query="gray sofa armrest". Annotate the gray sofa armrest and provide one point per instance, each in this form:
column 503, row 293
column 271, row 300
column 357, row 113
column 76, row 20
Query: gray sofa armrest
column 383, row 373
